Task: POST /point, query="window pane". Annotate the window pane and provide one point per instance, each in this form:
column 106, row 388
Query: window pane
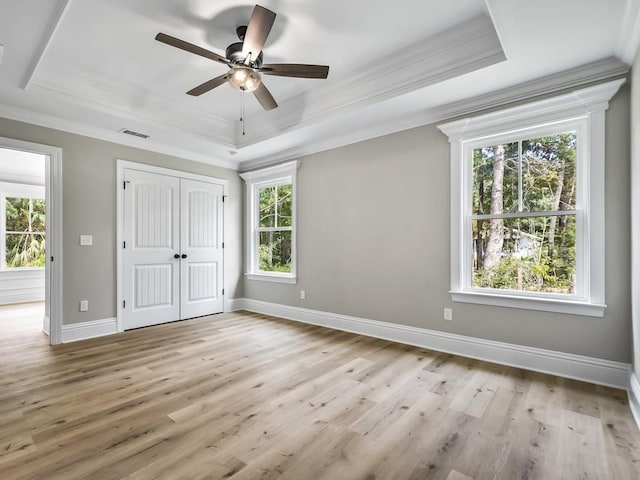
column 549, row 173
column 284, row 206
column 267, row 207
column 495, row 179
column 17, row 214
column 274, row 252
column 534, row 254
column 38, row 216
column 25, row 215
column 24, row 250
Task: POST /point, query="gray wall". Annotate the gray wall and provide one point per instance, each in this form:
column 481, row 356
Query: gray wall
column 89, row 207
column 374, row 236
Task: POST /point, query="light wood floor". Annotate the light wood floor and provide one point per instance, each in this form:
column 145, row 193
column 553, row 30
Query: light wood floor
column 245, row 396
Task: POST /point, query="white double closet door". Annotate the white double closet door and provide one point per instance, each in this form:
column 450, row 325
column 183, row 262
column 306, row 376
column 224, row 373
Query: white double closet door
column 173, row 251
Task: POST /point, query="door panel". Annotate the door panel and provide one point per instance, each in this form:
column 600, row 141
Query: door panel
column 201, row 241
column 152, row 238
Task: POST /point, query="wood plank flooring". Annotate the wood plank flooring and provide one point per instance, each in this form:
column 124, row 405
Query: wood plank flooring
column 245, row 396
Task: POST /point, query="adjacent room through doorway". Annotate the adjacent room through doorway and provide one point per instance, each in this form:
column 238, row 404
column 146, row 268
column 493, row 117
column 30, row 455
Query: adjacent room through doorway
column 22, row 246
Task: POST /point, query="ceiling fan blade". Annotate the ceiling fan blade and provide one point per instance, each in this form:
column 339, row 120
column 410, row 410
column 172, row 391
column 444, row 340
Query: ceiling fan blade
column 295, row 70
column 265, row 98
column 208, row 86
column 190, row 47
column 258, row 30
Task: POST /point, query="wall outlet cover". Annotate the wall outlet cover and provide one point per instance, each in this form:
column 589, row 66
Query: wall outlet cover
column 86, row 240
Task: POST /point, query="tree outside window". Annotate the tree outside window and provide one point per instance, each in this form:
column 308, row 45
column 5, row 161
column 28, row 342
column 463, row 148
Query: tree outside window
column 275, row 228
column 24, row 232
column 524, row 215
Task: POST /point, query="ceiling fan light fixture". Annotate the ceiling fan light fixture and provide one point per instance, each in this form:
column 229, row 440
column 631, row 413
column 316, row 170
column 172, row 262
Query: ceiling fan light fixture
column 244, row 79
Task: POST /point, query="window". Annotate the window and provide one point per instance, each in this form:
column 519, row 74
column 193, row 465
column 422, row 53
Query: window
column 271, row 223
column 24, row 237
column 523, row 216
column 527, row 204
column 23, row 226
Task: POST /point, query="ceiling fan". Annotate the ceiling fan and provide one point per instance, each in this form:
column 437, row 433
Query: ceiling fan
column 244, row 60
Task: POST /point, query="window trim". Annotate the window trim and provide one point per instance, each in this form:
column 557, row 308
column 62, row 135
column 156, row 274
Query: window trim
column 15, row 190
column 584, row 108
column 255, row 180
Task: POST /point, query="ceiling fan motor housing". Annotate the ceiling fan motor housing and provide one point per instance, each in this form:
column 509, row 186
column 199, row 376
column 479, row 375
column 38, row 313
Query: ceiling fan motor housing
column 234, row 55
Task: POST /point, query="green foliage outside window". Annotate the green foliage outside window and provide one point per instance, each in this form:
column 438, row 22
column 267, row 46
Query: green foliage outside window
column 532, row 253
column 275, row 229
column 25, row 232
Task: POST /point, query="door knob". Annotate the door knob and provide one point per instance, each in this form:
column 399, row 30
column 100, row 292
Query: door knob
column 184, row 255
column 176, row 255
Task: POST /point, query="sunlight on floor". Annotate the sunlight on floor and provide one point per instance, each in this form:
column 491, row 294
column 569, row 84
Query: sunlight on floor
column 20, row 323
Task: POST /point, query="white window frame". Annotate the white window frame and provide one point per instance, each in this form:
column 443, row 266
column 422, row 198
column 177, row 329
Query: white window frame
column 15, row 190
column 582, row 111
column 282, row 174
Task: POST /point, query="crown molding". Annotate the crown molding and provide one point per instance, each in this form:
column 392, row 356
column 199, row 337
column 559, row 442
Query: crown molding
column 464, row 48
column 606, row 69
column 599, row 71
column 80, row 128
column 47, row 37
column 629, row 36
column 190, row 118
column 282, row 169
column 499, row 23
column 578, row 102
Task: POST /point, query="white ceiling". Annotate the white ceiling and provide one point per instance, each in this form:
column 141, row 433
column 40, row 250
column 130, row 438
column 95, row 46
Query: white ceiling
column 93, row 67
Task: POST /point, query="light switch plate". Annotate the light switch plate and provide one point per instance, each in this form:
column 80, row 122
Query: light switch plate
column 84, row 305
column 86, row 240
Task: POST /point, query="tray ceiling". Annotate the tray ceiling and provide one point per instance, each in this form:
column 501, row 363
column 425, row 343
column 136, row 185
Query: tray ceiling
column 93, row 67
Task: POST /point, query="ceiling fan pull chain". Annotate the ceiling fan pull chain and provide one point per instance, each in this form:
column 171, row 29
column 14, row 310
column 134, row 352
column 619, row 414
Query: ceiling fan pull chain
column 242, row 112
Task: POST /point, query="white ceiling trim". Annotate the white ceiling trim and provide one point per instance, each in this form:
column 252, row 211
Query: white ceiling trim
column 499, row 23
column 578, row 102
column 217, row 129
column 81, row 128
column 47, row 37
column 594, row 72
column 630, row 32
column 462, row 49
column 590, row 73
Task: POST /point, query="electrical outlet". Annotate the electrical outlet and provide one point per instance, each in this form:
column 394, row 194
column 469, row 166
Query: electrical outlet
column 84, row 305
column 448, row 314
column 302, row 295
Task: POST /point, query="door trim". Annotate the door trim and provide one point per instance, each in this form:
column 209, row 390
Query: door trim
column 53, row 227
column 121, row 165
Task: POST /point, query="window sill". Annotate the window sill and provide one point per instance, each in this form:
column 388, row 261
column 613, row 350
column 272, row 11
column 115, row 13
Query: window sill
column 531, row 303
column 265, row 277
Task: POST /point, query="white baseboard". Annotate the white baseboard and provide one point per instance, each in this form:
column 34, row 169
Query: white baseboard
column 634, row 396
column 94, row 328
column 588, row 369
column 233, row 304
column 46, row 325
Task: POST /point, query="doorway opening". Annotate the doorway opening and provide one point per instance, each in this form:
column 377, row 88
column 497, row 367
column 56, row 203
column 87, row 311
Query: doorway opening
column 30, row 241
